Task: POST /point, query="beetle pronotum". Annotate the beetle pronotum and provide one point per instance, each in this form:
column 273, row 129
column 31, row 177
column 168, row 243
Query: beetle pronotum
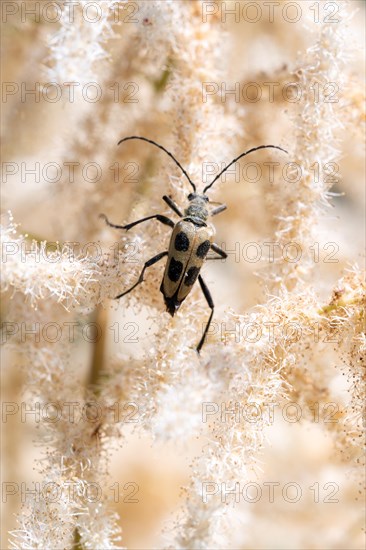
column 191, row 239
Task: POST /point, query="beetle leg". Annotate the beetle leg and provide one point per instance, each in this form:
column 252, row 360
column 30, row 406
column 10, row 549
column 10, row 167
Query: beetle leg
column 149, row 263
column 218, row 251
column 208, row 297
column 172, row 205
column 159, row 217
column 219, row 209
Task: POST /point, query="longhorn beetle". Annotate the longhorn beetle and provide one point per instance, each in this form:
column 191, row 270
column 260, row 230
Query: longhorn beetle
column 191, row 239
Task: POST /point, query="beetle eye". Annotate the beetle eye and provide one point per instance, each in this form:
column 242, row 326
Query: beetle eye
column 191, row 196
column 206, row 198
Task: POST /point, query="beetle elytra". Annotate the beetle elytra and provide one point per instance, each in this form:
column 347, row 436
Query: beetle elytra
column 190, row 242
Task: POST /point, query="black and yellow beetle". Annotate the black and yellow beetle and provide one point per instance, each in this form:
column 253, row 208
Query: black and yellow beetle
column 190, row 242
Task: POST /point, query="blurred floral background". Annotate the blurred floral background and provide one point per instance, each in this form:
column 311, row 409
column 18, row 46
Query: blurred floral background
column 116, row 433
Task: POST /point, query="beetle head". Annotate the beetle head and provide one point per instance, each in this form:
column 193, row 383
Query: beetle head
column 194, row 196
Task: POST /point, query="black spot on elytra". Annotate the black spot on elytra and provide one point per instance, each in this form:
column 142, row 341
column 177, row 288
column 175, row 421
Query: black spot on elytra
column 181, row 242
column 175, row 270
column 203, row 249
column 191, row 276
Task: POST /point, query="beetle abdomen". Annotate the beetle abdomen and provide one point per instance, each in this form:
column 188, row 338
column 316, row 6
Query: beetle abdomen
column 188, row 249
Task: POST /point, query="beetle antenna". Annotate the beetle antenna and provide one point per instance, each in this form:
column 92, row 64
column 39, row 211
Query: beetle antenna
column 167, row 152
column 239, row 157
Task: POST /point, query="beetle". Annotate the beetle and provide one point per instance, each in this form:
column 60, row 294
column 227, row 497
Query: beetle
column 190, row 242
